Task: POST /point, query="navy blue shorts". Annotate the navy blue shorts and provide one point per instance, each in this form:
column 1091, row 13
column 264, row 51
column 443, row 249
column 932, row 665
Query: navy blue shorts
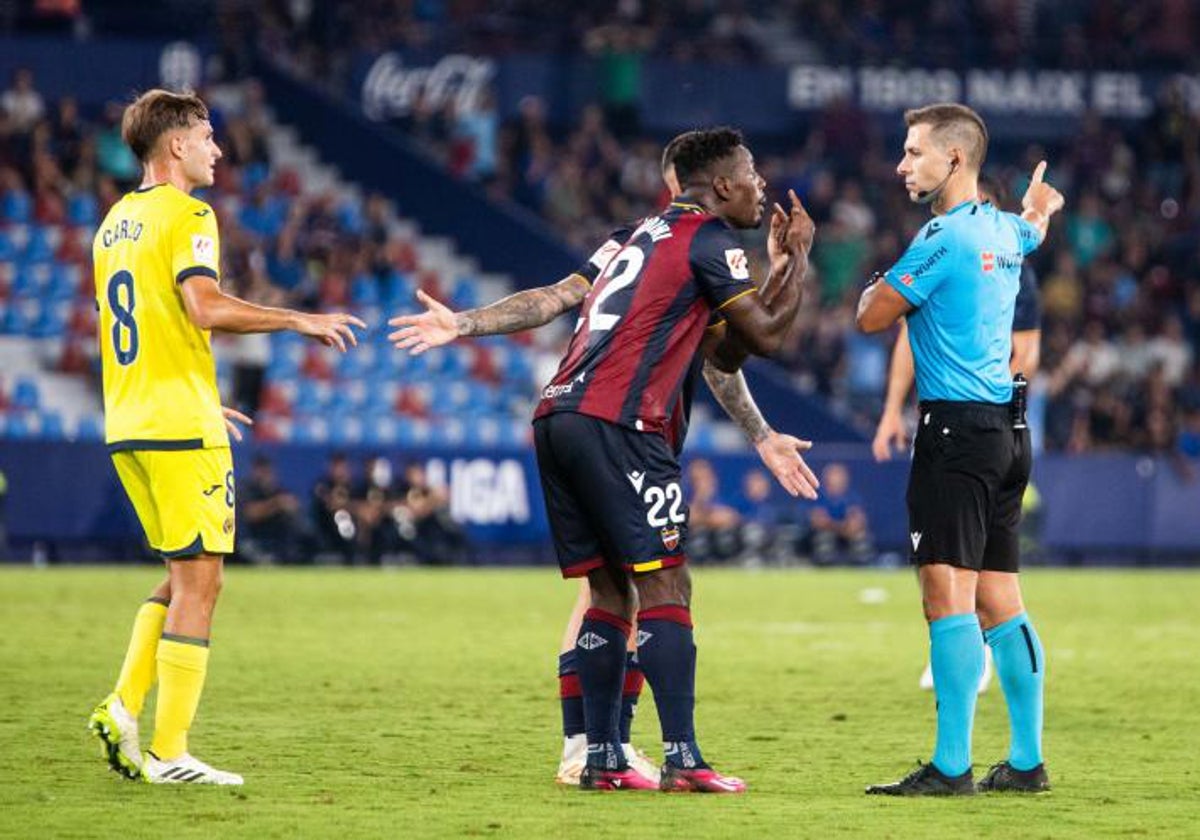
column 613, row 495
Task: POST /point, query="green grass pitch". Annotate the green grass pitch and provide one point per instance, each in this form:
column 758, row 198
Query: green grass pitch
column 423, row 704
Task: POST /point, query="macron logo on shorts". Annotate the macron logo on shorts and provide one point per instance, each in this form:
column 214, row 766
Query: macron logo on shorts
column 915, row 536
column 637, row 479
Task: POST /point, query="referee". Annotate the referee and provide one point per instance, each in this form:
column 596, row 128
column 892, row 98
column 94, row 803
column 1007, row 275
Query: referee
column 956, row 286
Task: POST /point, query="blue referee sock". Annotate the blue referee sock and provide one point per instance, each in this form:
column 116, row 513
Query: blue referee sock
column 956, row 652
column 668, row 657
column 1021, row 665
column 600, row 662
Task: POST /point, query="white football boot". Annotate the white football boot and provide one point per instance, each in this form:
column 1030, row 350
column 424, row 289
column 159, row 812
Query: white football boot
column 574, row 757
column 185, row 770
column 117, row 730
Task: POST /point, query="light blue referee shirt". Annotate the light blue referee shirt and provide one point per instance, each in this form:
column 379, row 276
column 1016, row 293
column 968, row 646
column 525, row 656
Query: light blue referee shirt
column 961, row 273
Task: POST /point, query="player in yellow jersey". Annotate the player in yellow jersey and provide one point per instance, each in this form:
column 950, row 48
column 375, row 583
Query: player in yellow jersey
column 157, row 272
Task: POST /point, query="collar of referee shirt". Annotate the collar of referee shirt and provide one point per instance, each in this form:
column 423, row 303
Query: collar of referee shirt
column 960, row 206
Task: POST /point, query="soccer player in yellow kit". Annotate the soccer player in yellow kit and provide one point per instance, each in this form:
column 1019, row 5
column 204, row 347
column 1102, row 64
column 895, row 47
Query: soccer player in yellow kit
column 157, row 259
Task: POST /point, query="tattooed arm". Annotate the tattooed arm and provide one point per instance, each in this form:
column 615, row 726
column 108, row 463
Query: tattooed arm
column 439, row 325
column 779, row 453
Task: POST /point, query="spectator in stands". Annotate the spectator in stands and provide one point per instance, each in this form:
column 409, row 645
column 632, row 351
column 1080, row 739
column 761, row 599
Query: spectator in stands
column 839, row 522
column 712, row 524
column 272, row 529
column 22, row 104
column 112, row 155
column 426, row 523
column 332, row 509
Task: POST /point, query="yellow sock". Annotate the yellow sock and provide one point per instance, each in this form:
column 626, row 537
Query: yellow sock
column 182, row 664
column 138, row 670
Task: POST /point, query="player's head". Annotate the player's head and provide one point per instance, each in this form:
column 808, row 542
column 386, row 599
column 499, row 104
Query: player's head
column 715, row 165
column 943, row 141
column 668, row 163
column 172, row 129
column 991, row 190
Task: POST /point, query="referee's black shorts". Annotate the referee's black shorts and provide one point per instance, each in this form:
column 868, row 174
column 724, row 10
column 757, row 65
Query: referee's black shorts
column 969, row 472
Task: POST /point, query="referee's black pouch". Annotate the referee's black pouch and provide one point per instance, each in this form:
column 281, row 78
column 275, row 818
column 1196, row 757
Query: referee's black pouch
column 1017, row 406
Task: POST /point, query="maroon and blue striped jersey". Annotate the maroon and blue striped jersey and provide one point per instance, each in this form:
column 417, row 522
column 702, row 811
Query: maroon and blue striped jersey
column 642, row 322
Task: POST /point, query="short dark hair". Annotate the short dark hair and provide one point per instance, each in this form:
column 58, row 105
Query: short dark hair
column 672, row 149
column 156, row 112
column 697, row 151
column 958, row 123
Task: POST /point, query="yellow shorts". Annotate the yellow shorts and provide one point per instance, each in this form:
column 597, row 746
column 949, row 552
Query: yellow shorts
column 184, row 499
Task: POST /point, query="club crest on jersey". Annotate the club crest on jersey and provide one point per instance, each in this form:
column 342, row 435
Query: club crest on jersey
column 988, row 260
column 739, row 266
column 203, row 248
column 670, row 537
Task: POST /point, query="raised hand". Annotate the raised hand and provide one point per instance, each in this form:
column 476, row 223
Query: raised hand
column 1040, row 197
column 800, row 227
column 332, row 330
column 890, row 437
column 777, row 239
column 232, row 414
column 781, row 455
column 432, row 328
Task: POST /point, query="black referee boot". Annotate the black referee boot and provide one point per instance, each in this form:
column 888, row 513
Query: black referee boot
column 1004, row 777
column 927, row 780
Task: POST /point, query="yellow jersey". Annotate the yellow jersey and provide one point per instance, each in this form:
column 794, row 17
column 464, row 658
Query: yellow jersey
column 160, row 379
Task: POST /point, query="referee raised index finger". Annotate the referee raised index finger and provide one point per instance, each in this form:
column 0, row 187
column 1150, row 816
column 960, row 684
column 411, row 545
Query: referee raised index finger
column 1038, row 172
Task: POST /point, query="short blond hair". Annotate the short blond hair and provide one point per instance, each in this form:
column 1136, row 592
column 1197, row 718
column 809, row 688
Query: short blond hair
column 954, row 124
column 156, row 112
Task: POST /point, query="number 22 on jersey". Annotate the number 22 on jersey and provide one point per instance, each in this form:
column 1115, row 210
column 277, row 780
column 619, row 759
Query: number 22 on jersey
column 622, row 271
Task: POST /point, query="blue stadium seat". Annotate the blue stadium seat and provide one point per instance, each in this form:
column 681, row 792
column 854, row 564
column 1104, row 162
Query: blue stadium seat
column 8, row 248
column 413, row 432
column 16, row 206
column 17, row 425
column 81, row 209
column 90, row 428
column 39, row 246
column 52, row 426
column 364, row 291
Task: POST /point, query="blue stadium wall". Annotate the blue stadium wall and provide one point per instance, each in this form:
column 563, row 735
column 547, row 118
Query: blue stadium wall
column 67, row 494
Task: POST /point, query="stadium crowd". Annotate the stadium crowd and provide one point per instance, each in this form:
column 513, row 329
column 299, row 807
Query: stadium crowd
column 1121, row 296
column 323, row 39
column 1120, row 293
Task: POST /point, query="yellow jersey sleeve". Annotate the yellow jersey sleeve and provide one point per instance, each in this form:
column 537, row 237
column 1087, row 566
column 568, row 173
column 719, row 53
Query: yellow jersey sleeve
column 195, row 245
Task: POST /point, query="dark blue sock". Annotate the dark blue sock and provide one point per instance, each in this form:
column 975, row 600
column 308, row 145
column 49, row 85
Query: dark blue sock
column 956, row 654
column 570, row 694
column 1021, row 665
column 600, row 662
column 668, row 658
column 634, row 679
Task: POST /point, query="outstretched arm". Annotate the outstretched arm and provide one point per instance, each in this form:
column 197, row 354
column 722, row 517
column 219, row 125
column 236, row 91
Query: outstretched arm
column 439, row 324
column 211, row 309
column 780, row 453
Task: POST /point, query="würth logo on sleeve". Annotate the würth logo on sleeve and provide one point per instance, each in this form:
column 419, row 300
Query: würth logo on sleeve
column 739, row 266
column 988, row 260
column 907, row 279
